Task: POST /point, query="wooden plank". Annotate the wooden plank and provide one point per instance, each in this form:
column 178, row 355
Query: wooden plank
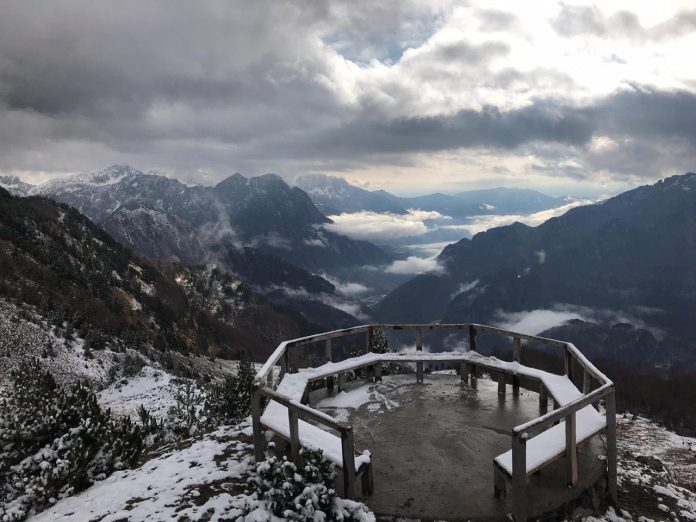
column 499, row 482
column 568, row 364
column 519, row 477
column 586, row 382
column 472, row 338
column 328, row 353
column 536, row 426
column 516, row 356
column 419, row 348
column 571, row 449
column 517, row 349
column 464, row 372
column 305, row 412
column 348, row 452
column 259, row 443
column 610, row 406
column 543, row 399
column 501, row 383
column 293, row 423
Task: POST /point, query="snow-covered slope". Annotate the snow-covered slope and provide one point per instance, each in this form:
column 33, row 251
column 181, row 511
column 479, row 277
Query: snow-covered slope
column 15, row 186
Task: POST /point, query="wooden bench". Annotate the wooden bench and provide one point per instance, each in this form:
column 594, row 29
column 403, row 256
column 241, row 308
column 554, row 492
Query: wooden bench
column 277, row 417
column 553, row 443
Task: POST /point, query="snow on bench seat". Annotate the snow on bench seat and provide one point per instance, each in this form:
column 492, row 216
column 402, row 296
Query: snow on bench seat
column 550, row 444
column 275, row 417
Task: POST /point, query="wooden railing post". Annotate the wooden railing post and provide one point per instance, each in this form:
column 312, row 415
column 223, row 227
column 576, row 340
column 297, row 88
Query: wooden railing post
column 259, row 446
column 517, row 349
column 419, row 348
column 464, row 371
column 543, row 399
column 368, row 339
column 610, row 406
column 586, row 382
column 269, row 379
column 348, row 453
column 284, row 364
column 327, row 351
column 516, row 356
column 472, row 348
column 519, row 477
column 571, row 449
column 293, row 423
column 501, row 383
column 568, row 363
column 329, row 358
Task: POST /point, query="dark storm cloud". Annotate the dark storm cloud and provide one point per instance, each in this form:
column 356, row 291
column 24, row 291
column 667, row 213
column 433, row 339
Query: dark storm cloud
column 639, row 114
column 490, row 127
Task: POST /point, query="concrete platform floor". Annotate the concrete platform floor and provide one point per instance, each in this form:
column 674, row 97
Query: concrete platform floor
column 433, row 446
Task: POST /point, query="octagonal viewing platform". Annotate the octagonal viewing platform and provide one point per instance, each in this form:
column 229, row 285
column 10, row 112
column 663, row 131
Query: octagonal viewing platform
column 479, row 441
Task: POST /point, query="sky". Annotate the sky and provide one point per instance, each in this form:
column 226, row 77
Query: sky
column 411, row 96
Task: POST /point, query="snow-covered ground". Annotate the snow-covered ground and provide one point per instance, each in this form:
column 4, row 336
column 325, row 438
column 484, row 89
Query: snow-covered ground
column 25, row 335
column 194, row 479
column 199, row 479
column 152, row 388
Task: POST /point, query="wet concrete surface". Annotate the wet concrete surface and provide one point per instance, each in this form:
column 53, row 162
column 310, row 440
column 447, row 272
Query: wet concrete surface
column 433, row 446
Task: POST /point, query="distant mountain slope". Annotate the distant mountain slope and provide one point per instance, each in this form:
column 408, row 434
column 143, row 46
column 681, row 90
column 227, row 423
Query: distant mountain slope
column 15, row 186
column 57, row 260
column 334, row 195
column 261, row 212
column 635, row 253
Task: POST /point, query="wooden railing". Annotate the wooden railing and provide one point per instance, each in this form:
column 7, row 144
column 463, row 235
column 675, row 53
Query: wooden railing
column 264, row 385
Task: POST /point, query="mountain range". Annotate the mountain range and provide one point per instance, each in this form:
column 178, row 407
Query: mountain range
column 267, row 233
column 74, row 274
column 334, row 195
column 632, row 255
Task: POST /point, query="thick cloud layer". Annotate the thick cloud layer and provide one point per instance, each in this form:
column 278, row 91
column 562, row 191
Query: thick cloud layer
column 400, row 94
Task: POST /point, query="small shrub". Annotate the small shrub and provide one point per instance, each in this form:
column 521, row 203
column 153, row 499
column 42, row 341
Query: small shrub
column 132, row 364
column 229, row 401
column 303, row 493
column 292, row 493
column 55, row 442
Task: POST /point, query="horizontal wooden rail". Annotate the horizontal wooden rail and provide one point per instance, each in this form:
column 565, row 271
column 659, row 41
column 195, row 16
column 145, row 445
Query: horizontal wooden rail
column 305, row 411
column 536, row 426
column 282, row 348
